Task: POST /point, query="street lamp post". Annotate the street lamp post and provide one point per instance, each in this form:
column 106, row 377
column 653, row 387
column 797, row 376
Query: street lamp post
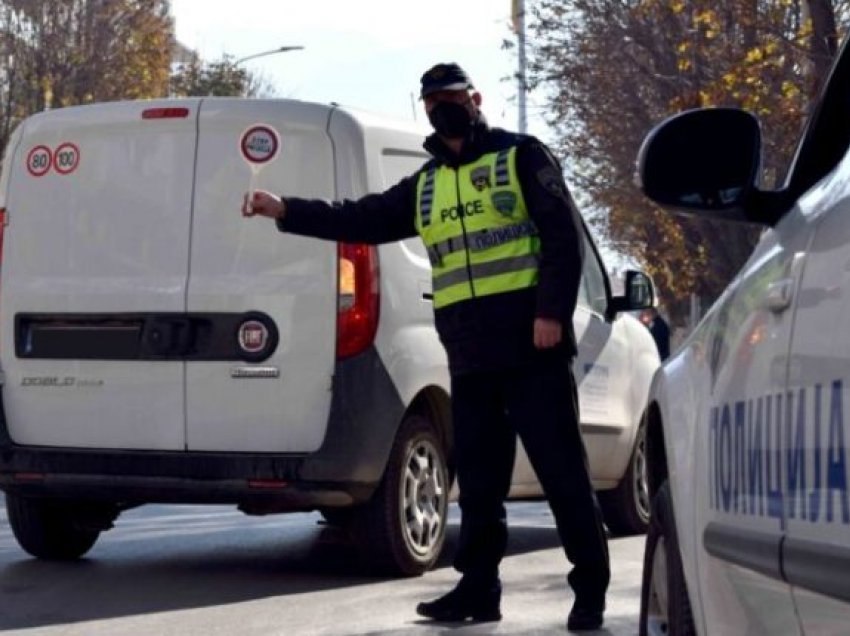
column 282, row 49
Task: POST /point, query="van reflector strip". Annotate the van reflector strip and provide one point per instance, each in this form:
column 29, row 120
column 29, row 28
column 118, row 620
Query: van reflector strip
column 165, row 113
column 29, row 476
column 267, row 483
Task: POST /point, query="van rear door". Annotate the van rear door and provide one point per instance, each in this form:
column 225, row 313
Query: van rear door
column 244, row 272
column 98, row 203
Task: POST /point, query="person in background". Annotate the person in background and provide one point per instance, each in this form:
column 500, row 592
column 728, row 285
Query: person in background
column 505, row 244
column 659, row 329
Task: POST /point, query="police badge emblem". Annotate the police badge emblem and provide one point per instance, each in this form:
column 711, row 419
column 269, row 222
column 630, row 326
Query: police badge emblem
column 504, row 201
column 553, row 181
column 480, row 178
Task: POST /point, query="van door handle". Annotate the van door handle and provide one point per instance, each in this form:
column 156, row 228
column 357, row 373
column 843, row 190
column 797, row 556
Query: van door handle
column 171, row 336
column 779, row 295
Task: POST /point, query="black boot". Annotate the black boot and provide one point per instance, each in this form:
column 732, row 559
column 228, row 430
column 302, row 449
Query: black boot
column 465, row 601
column 586, row 615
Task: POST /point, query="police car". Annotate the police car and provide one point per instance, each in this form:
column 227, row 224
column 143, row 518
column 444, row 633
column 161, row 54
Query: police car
column 748, row 423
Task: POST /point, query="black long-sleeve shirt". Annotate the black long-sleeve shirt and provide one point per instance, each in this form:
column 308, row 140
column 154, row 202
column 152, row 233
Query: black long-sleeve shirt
column 489, row 331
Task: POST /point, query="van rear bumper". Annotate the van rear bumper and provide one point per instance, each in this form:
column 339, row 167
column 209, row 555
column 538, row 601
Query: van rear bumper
column 259, row 483
column 346, row 470
column 253, row 496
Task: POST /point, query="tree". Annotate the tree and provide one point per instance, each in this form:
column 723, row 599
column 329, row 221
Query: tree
column 615, row 68
column 55, row 54
column 221, row 77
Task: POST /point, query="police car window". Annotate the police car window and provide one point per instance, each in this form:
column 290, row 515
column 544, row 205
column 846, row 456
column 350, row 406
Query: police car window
column 828, row 133
column 592, row 290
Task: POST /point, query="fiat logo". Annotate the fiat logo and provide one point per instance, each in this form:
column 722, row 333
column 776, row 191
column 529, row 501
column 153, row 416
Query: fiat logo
column 253, row 336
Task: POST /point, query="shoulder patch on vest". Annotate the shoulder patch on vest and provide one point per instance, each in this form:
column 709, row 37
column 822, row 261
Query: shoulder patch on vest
column 552, row 181
column 480, row 178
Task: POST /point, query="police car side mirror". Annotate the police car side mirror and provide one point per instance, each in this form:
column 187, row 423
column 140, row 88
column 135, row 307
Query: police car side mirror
column 705, row 161
column 638, row 293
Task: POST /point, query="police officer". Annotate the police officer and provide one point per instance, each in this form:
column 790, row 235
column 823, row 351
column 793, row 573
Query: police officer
column 506, row 249
column 659, row 329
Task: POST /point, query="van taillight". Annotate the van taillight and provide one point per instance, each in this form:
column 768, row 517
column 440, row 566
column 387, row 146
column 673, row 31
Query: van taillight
column 358, row 303
column 165, row 113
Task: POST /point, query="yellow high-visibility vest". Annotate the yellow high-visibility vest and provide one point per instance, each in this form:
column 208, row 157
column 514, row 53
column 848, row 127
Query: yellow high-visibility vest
column 476, row 228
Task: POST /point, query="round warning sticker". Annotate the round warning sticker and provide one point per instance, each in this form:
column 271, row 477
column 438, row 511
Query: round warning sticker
column 39, row 160
column 260, row 144
column 66, row 158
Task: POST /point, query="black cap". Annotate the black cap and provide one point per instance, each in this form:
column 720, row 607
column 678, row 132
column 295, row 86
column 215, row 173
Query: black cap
column 445, row 77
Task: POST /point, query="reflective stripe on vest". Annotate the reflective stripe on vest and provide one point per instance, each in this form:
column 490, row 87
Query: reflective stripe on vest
column 502, row 176
column 483, row 270
column 476, row 229
column 427, row 197
column 480, row 240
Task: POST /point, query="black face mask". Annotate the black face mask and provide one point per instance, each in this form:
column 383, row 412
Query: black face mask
column 450, row 120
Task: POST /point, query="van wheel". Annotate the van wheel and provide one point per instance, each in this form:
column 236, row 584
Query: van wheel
column 401, row 530
column 664, row 604
column 626, row 508
column 46, row 528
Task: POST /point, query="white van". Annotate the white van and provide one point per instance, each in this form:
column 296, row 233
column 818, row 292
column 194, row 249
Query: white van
column 155, row 347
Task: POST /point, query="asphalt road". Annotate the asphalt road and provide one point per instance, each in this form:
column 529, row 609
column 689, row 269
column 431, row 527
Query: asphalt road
column 187, row 570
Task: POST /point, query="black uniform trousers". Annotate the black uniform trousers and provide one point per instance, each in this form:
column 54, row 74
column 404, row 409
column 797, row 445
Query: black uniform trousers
column 537, row 401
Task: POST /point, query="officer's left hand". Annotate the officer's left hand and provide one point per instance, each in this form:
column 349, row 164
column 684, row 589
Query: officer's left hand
column 547, row 332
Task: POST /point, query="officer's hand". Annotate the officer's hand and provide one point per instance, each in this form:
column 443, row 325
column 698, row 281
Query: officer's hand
column 263, row 204
column 547, row 332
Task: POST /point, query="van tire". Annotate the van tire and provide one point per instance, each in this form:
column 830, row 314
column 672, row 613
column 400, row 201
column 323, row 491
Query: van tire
column 46, row 528
column 665, row 611
column 402, row 529
column 626, row 508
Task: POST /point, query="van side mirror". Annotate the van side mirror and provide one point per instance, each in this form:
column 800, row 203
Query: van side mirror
column 638, row 293
column 705, row 160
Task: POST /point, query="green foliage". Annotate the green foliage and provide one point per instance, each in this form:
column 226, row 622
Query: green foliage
column 615, row 68
column 221, row 77
column 55, row 54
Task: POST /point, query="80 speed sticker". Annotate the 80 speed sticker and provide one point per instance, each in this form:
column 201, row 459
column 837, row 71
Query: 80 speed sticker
column 39, row 160
column 64, row 160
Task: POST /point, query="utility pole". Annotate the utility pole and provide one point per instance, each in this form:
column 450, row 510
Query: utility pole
column 518, row 19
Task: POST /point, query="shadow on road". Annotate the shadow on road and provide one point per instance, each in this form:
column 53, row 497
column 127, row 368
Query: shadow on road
column 191, row 557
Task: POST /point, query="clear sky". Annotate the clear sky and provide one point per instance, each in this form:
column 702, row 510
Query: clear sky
column 363, row 53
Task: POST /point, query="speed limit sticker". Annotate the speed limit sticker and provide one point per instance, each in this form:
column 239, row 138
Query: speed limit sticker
column 66, row 158
column 259, row 144
column 39, row 160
